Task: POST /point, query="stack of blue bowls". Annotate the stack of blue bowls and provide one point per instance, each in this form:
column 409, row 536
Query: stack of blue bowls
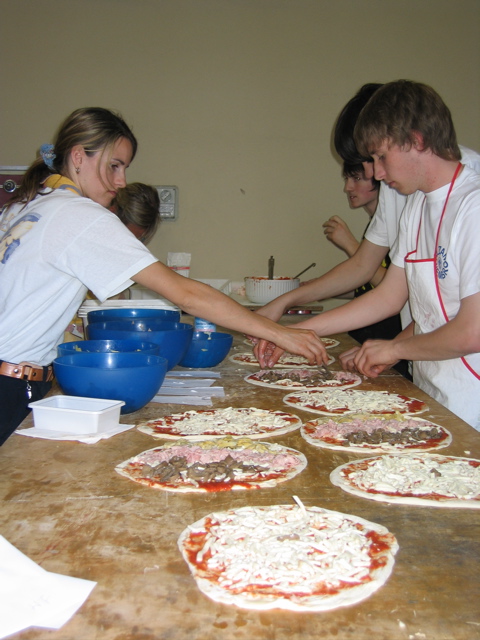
column 126, row 356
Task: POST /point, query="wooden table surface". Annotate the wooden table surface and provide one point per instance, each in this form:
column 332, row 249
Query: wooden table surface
column 65, row 507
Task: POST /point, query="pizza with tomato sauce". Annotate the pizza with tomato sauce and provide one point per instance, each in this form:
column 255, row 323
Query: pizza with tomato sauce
column 424, row 479
column 226, row 464
column 344, row 401
column 328, row 343
column 303, row 379
column 286, row 361
column 367, row 433
column 217, row 423
column 287, row 557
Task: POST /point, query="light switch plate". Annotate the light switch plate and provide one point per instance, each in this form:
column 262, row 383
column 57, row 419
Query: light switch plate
column 168, row 202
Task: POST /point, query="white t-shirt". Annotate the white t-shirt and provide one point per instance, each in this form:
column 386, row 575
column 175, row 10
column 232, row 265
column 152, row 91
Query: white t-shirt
column 460, row 248
column 51, row 252
column 450, row 382
column 383, row 228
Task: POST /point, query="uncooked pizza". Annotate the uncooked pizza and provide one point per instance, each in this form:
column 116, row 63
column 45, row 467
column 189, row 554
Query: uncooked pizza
column 288, row 557
column 217, row 423
column 343, row 401
column 286, row 361
column 328, row 343
column 425, row 479
column 303, row 379
column 367, row 433
column 225, row 464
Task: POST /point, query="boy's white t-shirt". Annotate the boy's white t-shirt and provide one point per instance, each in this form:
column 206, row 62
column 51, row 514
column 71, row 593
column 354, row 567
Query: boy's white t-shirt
column 456, row 259
column 459, row 240
column 51, row 252
column 384, row 226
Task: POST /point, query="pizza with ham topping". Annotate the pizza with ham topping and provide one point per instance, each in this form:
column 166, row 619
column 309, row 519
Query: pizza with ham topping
column 286, row 361
column 226, row 464
column 287, row 557
column 302, row 379
column 425, row 479
column 344, row 401
column 373, row 433
column 217, row 423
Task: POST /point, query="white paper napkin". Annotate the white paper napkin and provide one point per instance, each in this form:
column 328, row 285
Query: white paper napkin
column 31, row 596
column 200, row 392
column 186, row 383
column 189, row 387
column 86, row 438
column 193, row 373
column 195, row 401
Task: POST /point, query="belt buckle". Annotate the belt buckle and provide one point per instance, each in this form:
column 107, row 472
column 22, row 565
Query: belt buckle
column 32, row 373
column 27, row 371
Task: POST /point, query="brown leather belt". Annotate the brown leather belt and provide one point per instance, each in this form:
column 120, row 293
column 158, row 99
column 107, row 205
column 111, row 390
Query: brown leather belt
column 26, row 372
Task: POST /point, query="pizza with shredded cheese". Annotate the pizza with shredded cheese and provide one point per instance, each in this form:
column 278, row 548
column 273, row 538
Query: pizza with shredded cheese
column 328, row 343
column 366, row 433
column 344, row 401
column 286, row 361
column 303, row 379
column 225, row 464
column 287, row 557
column 217, row 423
column 425, row 479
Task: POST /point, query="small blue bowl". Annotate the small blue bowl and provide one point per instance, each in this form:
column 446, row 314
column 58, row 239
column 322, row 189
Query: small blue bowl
column 111, row 346
column 207, row 349
column 132, row 377
column 173, row 337
column 169, row 315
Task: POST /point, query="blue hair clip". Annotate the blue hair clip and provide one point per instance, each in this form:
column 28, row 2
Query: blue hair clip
column 46, row 151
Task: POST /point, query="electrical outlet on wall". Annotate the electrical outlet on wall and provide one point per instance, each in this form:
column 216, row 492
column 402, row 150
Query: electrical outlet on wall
column 168, row 202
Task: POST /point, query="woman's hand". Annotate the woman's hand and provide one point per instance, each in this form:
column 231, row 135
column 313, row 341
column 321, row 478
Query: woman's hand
column 300, row 341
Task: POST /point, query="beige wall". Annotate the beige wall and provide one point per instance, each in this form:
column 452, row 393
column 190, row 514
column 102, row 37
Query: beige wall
column 233, row 101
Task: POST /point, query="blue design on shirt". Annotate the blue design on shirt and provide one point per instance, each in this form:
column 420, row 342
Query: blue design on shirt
column 11, row 240
column 442, row 263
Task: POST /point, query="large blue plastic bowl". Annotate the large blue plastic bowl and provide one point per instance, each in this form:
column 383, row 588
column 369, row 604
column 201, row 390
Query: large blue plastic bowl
column 173, row 337
column 132, row 377
column 112, row 346
column 207, row 349
column 168, row 315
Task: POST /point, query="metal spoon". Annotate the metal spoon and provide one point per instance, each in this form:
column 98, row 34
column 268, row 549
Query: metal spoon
column 271, row 263
column 314, row 264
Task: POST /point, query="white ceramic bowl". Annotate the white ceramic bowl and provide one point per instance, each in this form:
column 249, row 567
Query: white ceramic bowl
column 261, row 290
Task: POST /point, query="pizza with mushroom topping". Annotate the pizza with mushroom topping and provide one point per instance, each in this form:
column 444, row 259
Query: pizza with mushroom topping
column 287, row 557
column 225, row 464
column 366, row 433
column 303, row 379
column 286, row 361
column 328, row 343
